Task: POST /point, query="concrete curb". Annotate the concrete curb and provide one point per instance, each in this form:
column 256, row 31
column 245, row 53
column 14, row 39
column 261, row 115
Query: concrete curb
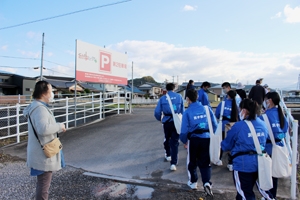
column 151, row 184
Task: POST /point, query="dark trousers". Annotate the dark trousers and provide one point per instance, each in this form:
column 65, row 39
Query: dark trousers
column 244, row 183
column 43, row 185
column 271, row 194
column 198, row 155
column 171, row 142
column 230, row 162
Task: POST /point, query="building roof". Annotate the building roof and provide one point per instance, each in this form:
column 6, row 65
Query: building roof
column 198, row 84
column 67, row 84
column 135, row 90
column 148, row 85
column 59, row 78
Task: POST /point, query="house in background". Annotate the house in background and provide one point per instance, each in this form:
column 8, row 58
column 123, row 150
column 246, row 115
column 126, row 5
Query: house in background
column 13, row 84
column 153, row 90
column 136, row 91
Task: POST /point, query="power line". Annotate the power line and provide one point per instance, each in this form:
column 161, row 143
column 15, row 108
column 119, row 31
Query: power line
column 62, row 15
column 14, row 67
column 36, row 59
column 33, row 68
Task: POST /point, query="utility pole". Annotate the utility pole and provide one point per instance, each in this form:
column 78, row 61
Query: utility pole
column 132, row 82
column 41, row 76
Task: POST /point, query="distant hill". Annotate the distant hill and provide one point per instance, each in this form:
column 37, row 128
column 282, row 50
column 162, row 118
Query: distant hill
column 140, row 81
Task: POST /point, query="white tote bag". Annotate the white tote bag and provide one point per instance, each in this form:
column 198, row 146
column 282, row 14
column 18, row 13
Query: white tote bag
column 215, row 140
column 177, row 118
column 220, row 124
column 264, row 162
column 281, row 166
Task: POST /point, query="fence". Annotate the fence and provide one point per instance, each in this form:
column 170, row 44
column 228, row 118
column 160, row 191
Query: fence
column 70, row 111
column 292, row 136
column 138, row 100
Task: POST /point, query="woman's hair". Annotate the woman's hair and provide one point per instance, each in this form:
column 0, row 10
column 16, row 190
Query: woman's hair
column 205, row 84
column 189, row 84
column 40, row 88
column 234, row 112
column 251, row 107
column 276, row 100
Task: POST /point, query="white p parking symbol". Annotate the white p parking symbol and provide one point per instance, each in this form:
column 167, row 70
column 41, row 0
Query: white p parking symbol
column 104, row 61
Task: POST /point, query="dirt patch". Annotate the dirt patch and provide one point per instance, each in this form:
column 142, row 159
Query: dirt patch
column 8, row 158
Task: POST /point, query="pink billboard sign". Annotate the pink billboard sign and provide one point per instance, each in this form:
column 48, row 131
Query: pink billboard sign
column 100, row 65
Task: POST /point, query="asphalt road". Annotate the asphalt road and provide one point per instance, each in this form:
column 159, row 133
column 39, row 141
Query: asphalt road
column 131, row 146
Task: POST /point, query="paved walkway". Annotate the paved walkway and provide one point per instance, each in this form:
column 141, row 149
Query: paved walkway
column 131, row 146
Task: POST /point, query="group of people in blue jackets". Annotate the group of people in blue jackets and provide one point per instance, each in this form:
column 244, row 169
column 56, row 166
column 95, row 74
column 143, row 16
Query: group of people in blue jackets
column 242, row 156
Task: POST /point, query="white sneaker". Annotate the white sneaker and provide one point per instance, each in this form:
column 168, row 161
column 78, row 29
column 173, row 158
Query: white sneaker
column 173, row 168
column 207, row 189
column 230, row 167
column 219, row 163
column 193, row 186
column 168, row 158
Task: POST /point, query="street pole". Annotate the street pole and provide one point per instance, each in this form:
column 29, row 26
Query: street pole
column 41, row 76
column 131, row 88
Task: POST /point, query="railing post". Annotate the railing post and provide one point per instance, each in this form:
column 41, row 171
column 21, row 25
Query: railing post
column 118, row 102
column 125, row 102
column 100, row 108
column 67, row 112
column 103, row 105
column 19, row 98
column 18, row 122
column 84, row 114
column 8, row 121
column 294, row 160
column 130, row 100
column 93, row 102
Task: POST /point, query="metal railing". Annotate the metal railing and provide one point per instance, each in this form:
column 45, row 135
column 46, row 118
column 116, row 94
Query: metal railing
column 69, row 111
column 292, row 136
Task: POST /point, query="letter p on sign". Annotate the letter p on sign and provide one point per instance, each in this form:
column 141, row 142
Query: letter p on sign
column 105, row 61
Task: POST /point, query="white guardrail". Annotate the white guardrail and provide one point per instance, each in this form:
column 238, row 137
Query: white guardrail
column 292, row 144
column 69, row 111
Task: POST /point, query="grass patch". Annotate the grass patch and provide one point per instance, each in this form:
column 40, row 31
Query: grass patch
column 12, row 140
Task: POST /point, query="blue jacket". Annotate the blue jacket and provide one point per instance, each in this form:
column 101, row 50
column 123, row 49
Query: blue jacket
column 226, row 113
column 275, row 125
column 239, row 139
column 195, row 118
column 163, row 106
column 203, row 97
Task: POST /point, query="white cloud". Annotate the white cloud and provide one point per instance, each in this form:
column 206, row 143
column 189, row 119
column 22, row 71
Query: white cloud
column 29, row 53
column 59, row 70
column 278, row 15
column 7, row 69
column 227, row 30
column 4, row 47
column 189, row 8
column 50, row 54
column 162, row 61
column 70, row 52
column 292, row 15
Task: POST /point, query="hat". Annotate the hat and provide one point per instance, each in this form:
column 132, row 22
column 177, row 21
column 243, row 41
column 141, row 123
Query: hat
column 239, row 86
column 266, row 85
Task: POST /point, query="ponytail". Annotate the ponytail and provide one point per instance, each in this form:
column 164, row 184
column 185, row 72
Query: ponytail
column 281, row 117
column 251, row 107
column 253, row 110
column 234, row 112
column 189, row 84
column 276, row 100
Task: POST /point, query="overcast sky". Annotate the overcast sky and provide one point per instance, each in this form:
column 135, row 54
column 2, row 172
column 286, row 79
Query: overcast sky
column 216, row 41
